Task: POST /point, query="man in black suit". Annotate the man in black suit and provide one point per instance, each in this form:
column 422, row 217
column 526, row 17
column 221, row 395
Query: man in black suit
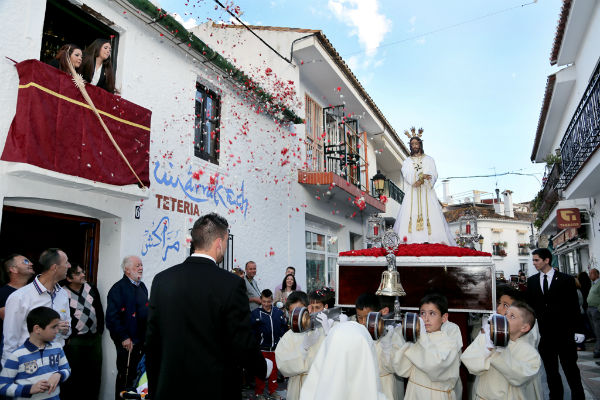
column 553, row 296
column 199, row 333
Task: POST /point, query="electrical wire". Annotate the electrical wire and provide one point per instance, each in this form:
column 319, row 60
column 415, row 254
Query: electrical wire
column 443, row 28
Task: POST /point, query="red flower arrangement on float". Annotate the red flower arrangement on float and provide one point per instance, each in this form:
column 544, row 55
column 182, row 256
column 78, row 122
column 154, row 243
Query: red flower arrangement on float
column 419, row 250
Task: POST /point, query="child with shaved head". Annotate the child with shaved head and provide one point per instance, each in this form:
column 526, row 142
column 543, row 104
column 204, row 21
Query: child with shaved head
column 506, row 373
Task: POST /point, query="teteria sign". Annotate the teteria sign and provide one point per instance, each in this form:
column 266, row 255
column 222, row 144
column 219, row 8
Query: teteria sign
column 177, row 205
column 568, row 218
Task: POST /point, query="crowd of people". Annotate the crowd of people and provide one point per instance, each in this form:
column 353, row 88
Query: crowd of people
column 93, row 63
column 204, row 330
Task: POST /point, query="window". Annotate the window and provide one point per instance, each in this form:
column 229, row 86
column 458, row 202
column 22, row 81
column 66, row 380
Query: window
column 321, row 258
column 66, row 23
column 314, row 139
column 227, row 263
column 499, row 249
column 523, row 267
column 206, row 126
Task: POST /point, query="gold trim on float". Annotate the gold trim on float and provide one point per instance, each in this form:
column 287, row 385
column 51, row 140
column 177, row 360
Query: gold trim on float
column 79, row 103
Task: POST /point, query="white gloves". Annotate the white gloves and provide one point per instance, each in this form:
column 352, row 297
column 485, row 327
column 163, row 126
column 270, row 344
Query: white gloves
column 326, row 323
column 343, row 318
column 386, row 341
column 579, row 338
column 310, row 338
column 423, row 337
column 269, row 367
column 489, row 345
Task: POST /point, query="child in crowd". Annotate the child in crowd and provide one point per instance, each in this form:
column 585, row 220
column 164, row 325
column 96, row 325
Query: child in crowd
column 319, row 300
column 269, row 325
column 34, row 370
column 392, row 386
column 296, row 351
column 432, row 364
column 506, row 296
column 506, row 373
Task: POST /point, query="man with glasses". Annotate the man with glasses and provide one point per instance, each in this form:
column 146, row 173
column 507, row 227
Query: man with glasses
column 18, row 270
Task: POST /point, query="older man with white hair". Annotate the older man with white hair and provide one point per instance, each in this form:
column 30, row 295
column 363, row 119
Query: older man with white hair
column 126, row 317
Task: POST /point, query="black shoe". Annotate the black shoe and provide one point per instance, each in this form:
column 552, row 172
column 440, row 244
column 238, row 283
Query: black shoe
column 598, row 363
column 596, row 354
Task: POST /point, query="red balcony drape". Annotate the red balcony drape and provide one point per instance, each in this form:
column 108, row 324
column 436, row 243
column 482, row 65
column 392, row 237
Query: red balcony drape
column 55, row 129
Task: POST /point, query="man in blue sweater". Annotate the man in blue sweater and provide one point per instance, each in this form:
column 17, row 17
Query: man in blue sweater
column 269, row 325
column 126, row 317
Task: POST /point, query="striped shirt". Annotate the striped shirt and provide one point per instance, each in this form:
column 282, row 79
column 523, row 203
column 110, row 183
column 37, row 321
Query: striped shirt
column 30, row 364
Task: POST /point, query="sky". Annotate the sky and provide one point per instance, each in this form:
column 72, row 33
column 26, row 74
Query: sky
column 472, row 73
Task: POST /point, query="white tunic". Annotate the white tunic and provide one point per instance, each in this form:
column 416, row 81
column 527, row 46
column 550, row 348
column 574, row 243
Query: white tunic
column 391, row 385
column 431, row 366
column 293, row 361
column 345, row 367
column 420, row 218
column 504, row 375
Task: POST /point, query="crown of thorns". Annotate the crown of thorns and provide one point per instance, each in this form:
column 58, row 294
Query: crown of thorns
column 413, row 132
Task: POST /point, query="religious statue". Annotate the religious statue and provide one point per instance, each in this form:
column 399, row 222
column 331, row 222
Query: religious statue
column 420, row 219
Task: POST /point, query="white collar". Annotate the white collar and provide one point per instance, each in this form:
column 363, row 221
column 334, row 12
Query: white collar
column 203, row 256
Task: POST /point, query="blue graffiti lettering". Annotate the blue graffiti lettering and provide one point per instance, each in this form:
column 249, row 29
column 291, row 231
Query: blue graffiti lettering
column 160, row 236
column 199, row 193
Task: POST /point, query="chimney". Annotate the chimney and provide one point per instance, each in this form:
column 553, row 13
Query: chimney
column 476, row 196
column 446, row 191
column 497, row 195
column 499, row 208
column 508, row 204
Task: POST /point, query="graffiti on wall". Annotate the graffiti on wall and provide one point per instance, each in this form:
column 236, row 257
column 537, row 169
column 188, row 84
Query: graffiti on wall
column 161, row 238
column 216, row 192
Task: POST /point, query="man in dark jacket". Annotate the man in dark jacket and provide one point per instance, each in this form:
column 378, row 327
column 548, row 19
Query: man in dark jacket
column 126, row 318
column 199, row 331
column 269, row 325
column 553, row 296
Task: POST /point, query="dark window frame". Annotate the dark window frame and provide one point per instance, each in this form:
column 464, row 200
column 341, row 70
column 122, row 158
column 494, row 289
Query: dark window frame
column 204, row 117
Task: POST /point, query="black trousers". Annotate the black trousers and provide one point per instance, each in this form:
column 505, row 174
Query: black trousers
column 126, row 376
column 84, row 354
column 564, row 349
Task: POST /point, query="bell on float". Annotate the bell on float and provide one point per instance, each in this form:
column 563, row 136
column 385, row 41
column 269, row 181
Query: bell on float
column 390, row 284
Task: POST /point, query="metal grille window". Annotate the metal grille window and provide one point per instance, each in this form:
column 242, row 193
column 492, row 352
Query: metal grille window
column 321, row 258
column 314, row 132
column 206, row 125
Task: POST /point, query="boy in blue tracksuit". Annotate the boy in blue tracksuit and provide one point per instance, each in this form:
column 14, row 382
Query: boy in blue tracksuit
column 269, row 325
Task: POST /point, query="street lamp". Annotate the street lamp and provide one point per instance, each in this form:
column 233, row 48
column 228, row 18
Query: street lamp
column 379, row 182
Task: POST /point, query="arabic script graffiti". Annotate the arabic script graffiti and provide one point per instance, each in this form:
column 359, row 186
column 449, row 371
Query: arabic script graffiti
column 199, row 193
column 159, row 236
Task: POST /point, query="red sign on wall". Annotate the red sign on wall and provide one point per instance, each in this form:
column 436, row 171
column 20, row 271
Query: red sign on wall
column 568, row 218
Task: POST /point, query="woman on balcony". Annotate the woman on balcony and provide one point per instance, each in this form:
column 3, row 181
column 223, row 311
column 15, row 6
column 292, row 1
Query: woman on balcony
column 96, row 67
column 420, row 219
column 66, row 52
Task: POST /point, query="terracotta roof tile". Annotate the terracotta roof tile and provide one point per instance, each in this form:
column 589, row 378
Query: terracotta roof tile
column 543, row 114
column 560, row 30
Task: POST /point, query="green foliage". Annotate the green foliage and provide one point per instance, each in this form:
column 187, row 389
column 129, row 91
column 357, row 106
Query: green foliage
column 552, row 159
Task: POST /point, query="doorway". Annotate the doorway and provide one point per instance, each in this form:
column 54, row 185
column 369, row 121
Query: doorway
column 29, row 232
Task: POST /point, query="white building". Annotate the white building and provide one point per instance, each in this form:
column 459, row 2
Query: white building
column 346, row 138
column 569, row 126
column 505, row 230
column 215, row 141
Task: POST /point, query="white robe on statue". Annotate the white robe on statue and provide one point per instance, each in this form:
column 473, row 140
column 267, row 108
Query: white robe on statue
column 431, row 365
column 293, row 361
column 504, row 375
column 420, row 218
column 345, row 367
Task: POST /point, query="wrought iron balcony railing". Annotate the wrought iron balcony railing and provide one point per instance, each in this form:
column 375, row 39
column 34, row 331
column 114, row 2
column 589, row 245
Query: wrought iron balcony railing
column 582, row 137
column 391, row 190
column 550, row 193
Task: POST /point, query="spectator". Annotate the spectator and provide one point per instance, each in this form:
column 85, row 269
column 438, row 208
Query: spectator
column 289, row 270
column 580, row 298
column 17, row 269
column 126, row 317
column 289, row 284
column 84, row 349
column 269, row 325
column 96, row 67
column 593, row 312
column 239, row 272
column 199, row 331
column 252, row 289
column 68, row 52
column 22, row 376
column 43, row 291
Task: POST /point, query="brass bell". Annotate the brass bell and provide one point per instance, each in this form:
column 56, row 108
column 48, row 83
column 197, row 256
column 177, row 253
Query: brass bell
column 390, row 284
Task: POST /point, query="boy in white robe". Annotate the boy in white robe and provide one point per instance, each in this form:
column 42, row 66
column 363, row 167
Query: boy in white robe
column 345, row 367
column 392, row 385
column 295, row 352
column 506, row 373
column 432, row 364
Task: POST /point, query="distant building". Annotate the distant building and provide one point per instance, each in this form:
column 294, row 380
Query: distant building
column 568, row 137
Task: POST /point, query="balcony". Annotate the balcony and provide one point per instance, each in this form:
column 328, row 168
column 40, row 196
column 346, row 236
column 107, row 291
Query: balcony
column 391, row 190
column 55, row 129
column 550, row 195
column 582, row 137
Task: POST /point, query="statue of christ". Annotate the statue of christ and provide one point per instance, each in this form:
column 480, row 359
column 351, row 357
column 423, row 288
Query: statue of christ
column 420, row 219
